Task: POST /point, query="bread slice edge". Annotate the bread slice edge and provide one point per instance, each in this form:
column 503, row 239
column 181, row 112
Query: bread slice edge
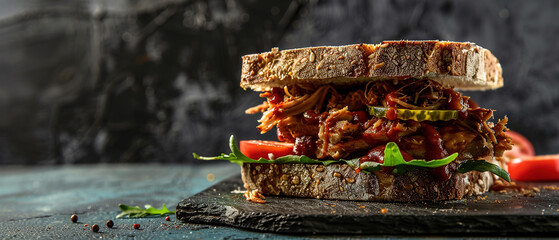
column 463, row 65
column 341, row 182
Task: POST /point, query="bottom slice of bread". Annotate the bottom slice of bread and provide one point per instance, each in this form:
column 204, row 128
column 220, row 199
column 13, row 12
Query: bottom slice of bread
column 341, row 182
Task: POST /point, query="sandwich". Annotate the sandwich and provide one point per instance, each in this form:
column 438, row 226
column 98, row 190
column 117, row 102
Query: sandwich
column 373, row 122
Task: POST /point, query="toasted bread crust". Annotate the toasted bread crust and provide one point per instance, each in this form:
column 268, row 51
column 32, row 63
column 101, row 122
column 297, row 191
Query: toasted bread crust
column 341, row 182
column 453, row 64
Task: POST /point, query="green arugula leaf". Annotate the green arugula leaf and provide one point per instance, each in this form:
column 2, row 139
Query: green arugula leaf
column 393, row 157
column 354, row 163
column 137, row 212
column 483, row 166
column 370, row 167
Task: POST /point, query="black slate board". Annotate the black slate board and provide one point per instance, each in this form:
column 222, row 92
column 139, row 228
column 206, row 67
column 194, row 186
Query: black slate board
column 492, row 213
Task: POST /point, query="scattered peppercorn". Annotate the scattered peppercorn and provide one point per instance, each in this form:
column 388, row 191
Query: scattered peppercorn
column 168, row 218
column 136, row 226
column 95, row 228
column 74, row 218
column 110, row 224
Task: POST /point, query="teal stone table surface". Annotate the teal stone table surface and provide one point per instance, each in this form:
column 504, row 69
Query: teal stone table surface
column 36, row 202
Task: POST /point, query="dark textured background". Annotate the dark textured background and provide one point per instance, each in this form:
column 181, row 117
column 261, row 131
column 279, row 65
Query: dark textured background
column 154, row 81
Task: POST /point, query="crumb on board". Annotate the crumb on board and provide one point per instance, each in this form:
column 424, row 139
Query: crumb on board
column 254, row 196
column 513, row 187
column 552, row 187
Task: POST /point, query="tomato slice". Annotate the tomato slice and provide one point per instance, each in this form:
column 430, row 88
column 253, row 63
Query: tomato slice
column 257, row 149
column 522, row 146
column 538, row 168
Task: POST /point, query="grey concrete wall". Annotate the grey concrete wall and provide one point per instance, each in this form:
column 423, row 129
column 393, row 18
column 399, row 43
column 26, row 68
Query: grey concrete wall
column 124, row 81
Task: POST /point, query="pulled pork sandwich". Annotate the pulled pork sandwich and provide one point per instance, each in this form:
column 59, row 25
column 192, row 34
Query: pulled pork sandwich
column 373, row 122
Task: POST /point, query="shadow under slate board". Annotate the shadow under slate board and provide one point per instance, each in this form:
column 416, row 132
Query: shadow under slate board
column 492, row 213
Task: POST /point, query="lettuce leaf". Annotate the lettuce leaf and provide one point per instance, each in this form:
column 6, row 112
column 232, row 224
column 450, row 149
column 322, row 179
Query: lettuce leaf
column 483, row 166
column 392, row 158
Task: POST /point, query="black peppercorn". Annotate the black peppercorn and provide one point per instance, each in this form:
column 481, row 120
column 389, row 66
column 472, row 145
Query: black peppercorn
column 95, row 228
column 110, row 224
column 74, row 218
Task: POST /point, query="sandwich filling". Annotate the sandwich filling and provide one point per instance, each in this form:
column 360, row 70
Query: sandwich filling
column 425, row 120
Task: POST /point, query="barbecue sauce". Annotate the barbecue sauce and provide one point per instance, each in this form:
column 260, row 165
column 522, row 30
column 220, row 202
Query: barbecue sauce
column 472, row 104
column 391, row 112
column 281, row 138
column 374, row 155
column 360, row 117
column 311, row 117
column 277, row 96
column 305, row 145
column 393, row 132
column 328, row 125
column 435, row 150
column 456, row 102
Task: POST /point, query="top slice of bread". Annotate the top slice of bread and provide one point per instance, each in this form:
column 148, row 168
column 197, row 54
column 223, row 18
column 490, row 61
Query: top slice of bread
column 464, row 66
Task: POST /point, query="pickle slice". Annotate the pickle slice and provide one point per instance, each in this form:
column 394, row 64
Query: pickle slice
column 417, row 115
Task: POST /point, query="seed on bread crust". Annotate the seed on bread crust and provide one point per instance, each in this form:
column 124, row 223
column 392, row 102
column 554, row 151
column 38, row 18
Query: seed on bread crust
column 379, row 65
column 295, row 180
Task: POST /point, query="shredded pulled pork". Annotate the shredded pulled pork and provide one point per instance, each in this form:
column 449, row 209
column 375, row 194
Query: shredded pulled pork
column 337, row 120
column 292, row 105
column 256, row 109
